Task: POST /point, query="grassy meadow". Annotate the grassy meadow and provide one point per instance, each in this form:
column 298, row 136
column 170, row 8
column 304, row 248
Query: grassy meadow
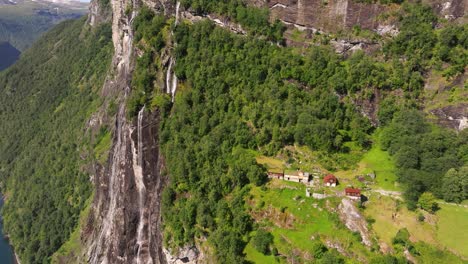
column 452, row 228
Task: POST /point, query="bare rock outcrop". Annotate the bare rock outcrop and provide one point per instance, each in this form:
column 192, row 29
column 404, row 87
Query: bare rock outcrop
column 353, row 220
column 453, row 116
column 334, row 15
column 450, row 9
column 186, row 255
column 326, row 15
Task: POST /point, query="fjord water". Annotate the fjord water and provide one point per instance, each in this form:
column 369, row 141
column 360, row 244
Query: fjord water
column 8, row 56
column 6, row 251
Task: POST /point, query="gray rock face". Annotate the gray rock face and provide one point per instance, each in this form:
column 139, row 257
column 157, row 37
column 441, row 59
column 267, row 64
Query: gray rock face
column 449, row 9
column 353, row 220
column 326, row 15
column 125, row 219
column 453, row 116
column 124, row 223
column 334, row 15
column 187, row 255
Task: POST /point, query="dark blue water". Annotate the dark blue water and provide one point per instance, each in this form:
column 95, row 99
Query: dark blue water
column 8, row 56
column 6, row 251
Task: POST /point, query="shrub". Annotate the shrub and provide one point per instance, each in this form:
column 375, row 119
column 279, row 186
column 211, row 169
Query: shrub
column 401, row 238
column 262, row 241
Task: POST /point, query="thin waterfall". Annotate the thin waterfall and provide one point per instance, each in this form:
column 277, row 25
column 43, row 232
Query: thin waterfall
column 171, row 84
column 174, row 86
column 177, row 13
column 142, row 234
column 168, row 77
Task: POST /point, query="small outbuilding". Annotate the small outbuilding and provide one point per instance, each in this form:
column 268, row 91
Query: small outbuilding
column 353, row 193
column 276, row 174
column 330, row 180
column 297, row 176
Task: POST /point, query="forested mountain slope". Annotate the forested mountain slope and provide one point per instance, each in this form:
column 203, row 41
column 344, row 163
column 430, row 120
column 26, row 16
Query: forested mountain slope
column 45, row 100
column 23, row 22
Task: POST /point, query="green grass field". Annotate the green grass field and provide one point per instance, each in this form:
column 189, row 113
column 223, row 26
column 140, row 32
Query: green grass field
column 453, row 228
column 270, row 163
column 385, row 226
column 296, row 221
column 256, row 257
column 431, row 255
column 382, row 164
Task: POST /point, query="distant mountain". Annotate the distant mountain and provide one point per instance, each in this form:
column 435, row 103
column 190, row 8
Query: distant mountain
column 7, row 2
column 23, row 21
column 8, row 55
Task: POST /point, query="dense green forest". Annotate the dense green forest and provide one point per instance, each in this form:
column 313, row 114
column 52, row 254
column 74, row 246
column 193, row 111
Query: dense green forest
column 45, row 101
column 424, row 154
column 241, row 93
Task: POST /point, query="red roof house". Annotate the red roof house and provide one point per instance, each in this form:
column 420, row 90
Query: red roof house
column 354, row 193
column 330, row 180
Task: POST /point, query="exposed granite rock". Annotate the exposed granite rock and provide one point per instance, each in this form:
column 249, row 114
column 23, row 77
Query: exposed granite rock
column 334, row 15
column 449, row 9
column 453, row 116
column 187, row 255
column 124, row 222
column 353, row 220
column 326, row 15
column 349, row 46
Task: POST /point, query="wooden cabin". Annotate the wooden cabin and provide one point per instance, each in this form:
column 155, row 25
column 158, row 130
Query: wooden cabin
column 353, row 193
column 276, row 174
column 330, row 180
column 297, row 176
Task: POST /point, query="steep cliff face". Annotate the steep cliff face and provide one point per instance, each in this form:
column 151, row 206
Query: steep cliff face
column 335, row 15
column 123, row 226
column 450, row 9
column 326, row 15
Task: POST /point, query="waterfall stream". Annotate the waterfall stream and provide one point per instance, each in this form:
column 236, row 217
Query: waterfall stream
column 142, row 234
column 168, row 77
column 177, row 13
column 171, row 83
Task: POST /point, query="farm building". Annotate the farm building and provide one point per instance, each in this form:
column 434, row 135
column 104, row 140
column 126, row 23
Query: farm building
column 330, row 180
column 275, row 174
column 353, row 193
column 297, row 176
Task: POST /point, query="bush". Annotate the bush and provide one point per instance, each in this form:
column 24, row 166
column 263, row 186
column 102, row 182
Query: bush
column 421, row 217
column 318, row 249
column 262, row 241
column 402, row 238
column 427, row 202
column 331, row 257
